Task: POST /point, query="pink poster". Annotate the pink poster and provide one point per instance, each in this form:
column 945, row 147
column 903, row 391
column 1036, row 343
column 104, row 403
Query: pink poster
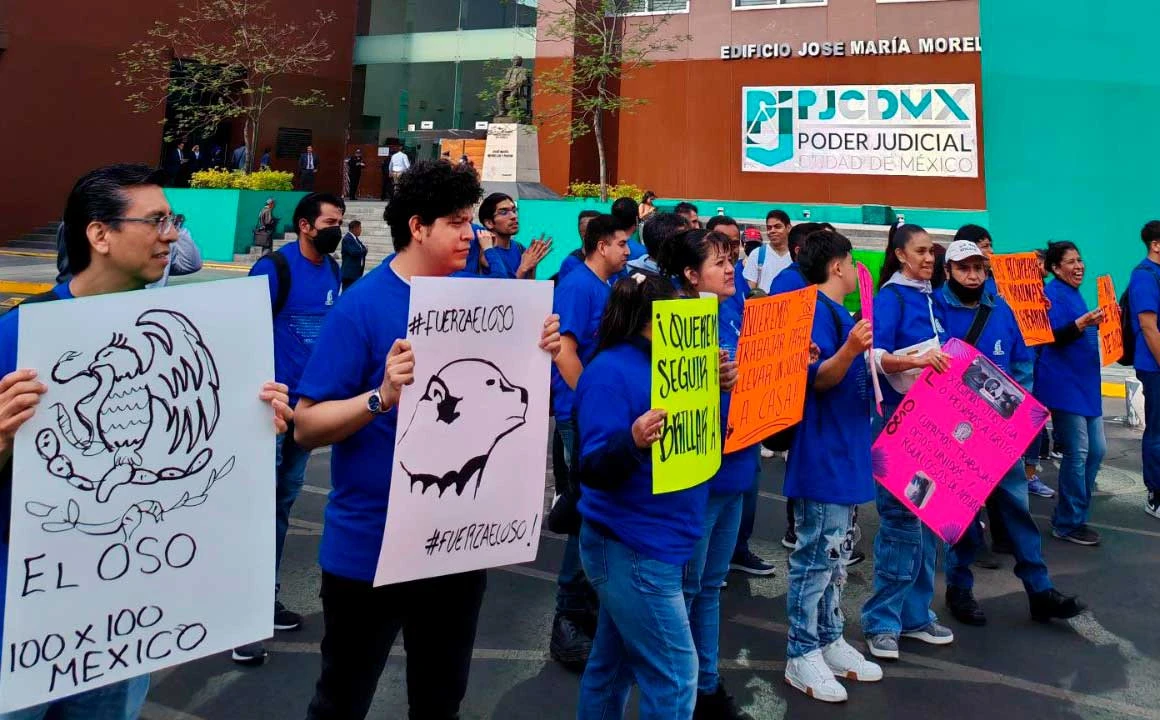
column 953, row 438
column 866, row 298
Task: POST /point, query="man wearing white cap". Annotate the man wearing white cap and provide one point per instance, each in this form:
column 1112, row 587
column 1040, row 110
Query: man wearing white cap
column 987, row 322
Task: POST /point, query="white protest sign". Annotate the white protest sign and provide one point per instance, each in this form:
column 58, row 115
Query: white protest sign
column 142, row 517
column 467, row 486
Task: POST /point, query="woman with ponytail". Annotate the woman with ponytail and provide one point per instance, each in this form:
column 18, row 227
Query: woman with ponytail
column 699, row 262
column 908, row 338
column 633, row 544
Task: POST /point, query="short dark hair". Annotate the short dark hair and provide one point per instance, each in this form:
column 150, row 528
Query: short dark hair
column 721, row 220
column 354, row 224
column 599, row 228
column 781, row 215
column 659, row 229
column 824, row 247
column 310, row 207
column 98, row 196
column 1150, row 233
column 430, row 190
column 972, row 233
column 684, row 207
column 626, row 211
column 586, row 215
column 489, row 204
column 1053, row 258
column 798, row 235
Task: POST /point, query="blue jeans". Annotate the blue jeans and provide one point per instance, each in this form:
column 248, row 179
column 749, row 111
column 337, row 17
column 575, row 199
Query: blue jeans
column 1150, row 447
column 748, row 515
column 573, row 592
column 705, row 576
column 291, row 461
column 1084, row 447
column 1010, row 498
column 1039, row 448
column 118, row 701
column 643, row 635
column 817, row 572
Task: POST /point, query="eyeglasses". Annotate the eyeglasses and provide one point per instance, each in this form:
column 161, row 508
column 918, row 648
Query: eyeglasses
column 504, row 212
column 164, row 224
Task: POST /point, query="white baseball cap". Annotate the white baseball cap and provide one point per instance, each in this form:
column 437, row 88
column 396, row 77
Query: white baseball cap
column 960, row 250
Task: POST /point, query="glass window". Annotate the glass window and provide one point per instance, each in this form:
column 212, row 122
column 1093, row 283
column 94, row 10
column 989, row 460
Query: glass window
column 630, row 7
column 738, row 4
column 395, row 17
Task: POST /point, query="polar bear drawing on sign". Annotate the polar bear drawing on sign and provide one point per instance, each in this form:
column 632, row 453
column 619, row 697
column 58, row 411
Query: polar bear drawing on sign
column 466, row 409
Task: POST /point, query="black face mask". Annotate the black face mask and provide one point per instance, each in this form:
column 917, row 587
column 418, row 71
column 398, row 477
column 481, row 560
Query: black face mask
column 327, row 239
column 967, row 295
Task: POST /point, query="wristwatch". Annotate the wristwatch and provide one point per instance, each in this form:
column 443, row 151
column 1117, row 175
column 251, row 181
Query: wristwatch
column 375, row 403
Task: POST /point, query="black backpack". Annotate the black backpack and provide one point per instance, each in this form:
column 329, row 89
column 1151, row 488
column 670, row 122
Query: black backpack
column 285, row 277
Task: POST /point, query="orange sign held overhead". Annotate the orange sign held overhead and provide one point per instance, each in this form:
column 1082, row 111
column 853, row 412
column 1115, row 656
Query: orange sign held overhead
column 773, row 358
column 1020, row 283
column 1111, row 329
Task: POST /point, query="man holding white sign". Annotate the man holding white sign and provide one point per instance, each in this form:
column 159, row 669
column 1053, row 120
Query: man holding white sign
column 119, row 232
column 351, row 390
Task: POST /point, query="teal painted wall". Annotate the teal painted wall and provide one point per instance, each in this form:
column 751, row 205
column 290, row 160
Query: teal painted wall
column 222, row 222
column 1071, row 98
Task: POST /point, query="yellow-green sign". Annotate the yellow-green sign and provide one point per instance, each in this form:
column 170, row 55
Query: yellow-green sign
column 687, row 384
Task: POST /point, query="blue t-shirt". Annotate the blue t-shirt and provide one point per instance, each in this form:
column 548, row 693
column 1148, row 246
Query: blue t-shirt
column 313, row 292
column 829, row 459
column 788, row 280
column 579, row 301
column 636, row 248
column 902, row 317
column 496, row 268
column 9, row 333
column 509, row 259
column 614, row 390
column 738, row 469
column 1144, row 296
column 1067, row 377
column 355, row 340
column 1000, row 340
column 990, row 288
column 572, row 261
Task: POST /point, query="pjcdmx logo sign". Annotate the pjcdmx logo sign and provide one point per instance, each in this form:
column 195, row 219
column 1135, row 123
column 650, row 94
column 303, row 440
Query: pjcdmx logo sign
column 921, row 130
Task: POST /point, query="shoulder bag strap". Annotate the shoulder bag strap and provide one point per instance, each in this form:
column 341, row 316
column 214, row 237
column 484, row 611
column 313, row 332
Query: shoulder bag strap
column 978, row 324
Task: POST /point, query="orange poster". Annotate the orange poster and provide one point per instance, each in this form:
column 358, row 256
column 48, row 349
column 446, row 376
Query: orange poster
column 1111, row 331
column 1021, row 285
column 773, row 357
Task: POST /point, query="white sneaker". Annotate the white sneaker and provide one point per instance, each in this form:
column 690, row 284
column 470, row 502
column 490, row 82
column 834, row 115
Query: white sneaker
column 811, row 675
column 766, row 452
column 846, row 662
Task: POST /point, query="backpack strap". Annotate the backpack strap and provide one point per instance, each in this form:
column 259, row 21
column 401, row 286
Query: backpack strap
column 282, row 274
column 760, row 263
column 48, row 296
column 978, row 324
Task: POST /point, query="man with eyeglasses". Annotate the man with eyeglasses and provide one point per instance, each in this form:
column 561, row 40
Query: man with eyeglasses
column 119, row 235
column 184, row 255
column 498, row 213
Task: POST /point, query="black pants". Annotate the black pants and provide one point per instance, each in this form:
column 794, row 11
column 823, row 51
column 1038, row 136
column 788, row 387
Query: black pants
column 307, row 180
column 438, row 617
column 355, row 179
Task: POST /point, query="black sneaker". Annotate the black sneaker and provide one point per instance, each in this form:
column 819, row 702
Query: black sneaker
column 750, row 563
column 718, row 706
column 789, row 542
column 856, row 557
column 285, row 619
column 1082, row 535
column 1152, row 505
column 963, row 606
column 570, row 646
column 986, row 559
column 252, row 655
column 1052, row 604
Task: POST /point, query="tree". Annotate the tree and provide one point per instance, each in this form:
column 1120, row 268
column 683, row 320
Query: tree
column 222, row 59
column 608, row 47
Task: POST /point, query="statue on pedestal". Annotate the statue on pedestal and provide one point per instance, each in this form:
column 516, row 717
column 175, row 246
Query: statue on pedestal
column 511, row 102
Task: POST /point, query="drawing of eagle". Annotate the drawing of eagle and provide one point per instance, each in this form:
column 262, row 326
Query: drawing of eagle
column 162, row 369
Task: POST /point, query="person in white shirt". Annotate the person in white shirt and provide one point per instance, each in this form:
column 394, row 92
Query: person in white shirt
column 766, row 261
column 399, row 163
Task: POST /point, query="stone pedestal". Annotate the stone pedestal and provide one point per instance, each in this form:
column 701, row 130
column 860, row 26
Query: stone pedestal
column 511, row 161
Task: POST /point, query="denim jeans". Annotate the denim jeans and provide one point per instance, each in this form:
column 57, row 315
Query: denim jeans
column 643, row 635
column 118, row 701
column 1150, row 447
column 817, row 572
column 1010, row 499
column 573, row 593
column 705, row 576
column 1040, row 447
column 1084, row 447
column 748, row 515
column 290, row 460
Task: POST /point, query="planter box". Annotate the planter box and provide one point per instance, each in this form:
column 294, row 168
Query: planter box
column 222, row 222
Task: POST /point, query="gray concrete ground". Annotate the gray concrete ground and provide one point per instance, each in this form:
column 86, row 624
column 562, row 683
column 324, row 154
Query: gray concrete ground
column 1103, row 665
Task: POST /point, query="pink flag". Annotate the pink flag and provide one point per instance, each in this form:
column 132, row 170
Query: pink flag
column 866, row 296
column 953, row 438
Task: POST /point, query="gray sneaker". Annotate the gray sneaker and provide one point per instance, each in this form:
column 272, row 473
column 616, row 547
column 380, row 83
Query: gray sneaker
column 932, row 634
column 884, row 647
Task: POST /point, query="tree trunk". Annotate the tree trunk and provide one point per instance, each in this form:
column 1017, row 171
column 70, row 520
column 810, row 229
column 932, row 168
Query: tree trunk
column 598, row 130
column 248, row 139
